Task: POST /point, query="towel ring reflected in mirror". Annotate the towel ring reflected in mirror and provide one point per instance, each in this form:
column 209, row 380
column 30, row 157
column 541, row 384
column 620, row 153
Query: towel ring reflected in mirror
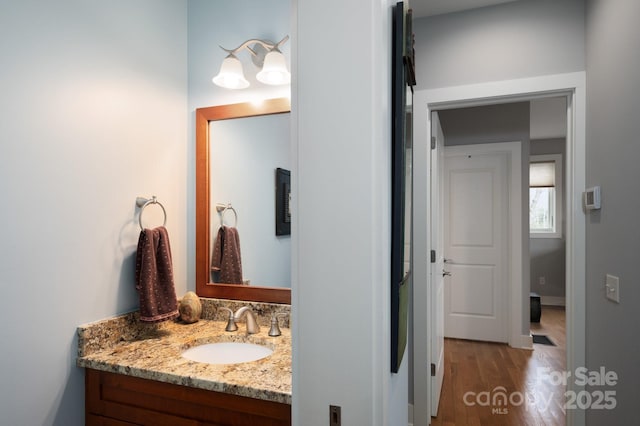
column 143, row 203
column 223, row 209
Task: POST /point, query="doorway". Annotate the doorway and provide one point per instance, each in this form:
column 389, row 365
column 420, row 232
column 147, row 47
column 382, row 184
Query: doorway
column 477, row 213
column 571, row 86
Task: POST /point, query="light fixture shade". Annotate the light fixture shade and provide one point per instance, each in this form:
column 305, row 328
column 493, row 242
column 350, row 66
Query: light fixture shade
column 231, row 75
column 274, row 71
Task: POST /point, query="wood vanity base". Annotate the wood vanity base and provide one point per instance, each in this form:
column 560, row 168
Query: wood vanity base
column 118, row 400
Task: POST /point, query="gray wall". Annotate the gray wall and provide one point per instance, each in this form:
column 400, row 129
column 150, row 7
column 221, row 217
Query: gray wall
column 547, row 259
column 613, row 233
column 528, row 38
column 514, row 40
column 487, row 124
column 491, row 124
column 547, row 255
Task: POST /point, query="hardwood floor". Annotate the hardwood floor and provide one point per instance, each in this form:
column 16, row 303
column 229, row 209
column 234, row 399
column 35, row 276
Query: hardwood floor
column 494, row 384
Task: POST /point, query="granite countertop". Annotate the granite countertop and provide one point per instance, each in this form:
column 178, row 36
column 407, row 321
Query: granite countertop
column 153, row 351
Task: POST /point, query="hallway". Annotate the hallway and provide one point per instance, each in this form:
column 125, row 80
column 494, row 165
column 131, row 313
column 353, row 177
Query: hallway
column 494, row 384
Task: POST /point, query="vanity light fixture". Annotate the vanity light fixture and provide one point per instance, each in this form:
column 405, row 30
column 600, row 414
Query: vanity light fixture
column 265, row 55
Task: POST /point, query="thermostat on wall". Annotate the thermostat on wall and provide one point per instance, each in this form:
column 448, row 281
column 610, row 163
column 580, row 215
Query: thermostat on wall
column 592, row 198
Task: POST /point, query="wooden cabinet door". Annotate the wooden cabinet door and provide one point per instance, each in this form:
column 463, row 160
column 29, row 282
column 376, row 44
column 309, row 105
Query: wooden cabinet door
column 119, row 400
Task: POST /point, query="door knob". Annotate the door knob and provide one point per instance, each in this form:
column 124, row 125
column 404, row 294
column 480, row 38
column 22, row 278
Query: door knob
column 446, row 273
column 447, row 260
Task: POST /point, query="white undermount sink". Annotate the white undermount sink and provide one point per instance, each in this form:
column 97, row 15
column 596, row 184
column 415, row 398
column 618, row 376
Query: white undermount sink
column 227, row 352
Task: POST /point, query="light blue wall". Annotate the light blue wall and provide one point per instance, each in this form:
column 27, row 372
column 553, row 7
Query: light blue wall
column 613, row 233
column 227, row 23
column 93, row 115
column 341, row 297
column 94, row 100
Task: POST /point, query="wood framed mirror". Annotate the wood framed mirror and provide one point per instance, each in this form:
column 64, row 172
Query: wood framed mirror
column 204, row 286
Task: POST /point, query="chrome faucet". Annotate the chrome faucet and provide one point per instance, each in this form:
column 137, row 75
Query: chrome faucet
column 252, row 324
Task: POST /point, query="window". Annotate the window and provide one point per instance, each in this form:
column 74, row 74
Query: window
column 545, row 196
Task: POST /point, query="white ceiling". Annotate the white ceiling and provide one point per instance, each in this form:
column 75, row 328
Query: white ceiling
column 423, row 8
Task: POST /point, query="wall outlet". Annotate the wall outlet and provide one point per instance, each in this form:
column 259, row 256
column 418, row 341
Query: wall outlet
column 612, row 288
column 335, row 415
column 542, row 280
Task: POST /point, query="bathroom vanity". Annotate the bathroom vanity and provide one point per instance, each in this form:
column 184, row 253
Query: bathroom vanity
column 136, row 374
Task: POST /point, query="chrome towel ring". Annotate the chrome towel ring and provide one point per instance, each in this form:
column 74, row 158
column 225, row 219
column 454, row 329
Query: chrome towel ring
column 143, row 203
column 223, row 209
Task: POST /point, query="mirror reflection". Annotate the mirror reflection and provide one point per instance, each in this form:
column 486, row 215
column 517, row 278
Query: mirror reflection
column 245, row 154
column 230, row 171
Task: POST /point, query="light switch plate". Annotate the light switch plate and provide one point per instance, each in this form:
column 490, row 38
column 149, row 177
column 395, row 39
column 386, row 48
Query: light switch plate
column 612, row 288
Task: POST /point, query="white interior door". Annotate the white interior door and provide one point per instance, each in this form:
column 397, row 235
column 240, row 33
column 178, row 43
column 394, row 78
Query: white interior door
column 437, row 263
column 476, row 217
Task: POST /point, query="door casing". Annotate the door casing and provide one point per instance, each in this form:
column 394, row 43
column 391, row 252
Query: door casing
column 573, row 87
column 437, row 263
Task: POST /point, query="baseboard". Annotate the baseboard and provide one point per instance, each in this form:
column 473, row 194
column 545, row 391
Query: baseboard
column 410, row 414
column 552, row 300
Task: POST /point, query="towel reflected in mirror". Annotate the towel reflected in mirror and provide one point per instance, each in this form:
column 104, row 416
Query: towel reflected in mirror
column 226, row 262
